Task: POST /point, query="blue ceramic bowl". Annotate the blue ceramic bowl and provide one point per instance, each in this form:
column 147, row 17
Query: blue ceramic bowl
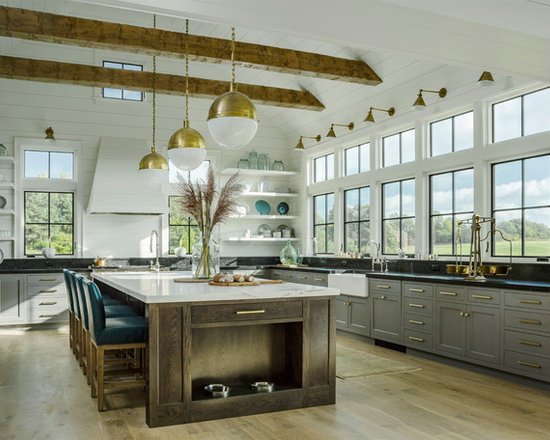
column 262, row 207
column 282, row 208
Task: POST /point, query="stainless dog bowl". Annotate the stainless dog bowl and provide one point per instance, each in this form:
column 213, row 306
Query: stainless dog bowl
column 217, row 390
column 262, row 387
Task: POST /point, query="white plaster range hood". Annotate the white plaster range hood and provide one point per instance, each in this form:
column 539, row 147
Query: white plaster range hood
column 117, row 187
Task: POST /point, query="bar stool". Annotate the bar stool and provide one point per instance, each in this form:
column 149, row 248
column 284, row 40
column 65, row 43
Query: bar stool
column 111, row 311
column 68, row 286
column 107, row 334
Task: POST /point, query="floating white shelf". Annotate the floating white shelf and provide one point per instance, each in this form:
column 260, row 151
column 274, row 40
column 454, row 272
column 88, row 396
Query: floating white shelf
column 266, row 173
column 264, row 217
column 7, row 185
column 7, row 212
column 260, row 239
column 6, row 159
column 268, row 194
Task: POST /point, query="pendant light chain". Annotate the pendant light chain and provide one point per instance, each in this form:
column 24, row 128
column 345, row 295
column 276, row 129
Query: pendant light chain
column 186, row 73
column 232, row 86
column 154, row 148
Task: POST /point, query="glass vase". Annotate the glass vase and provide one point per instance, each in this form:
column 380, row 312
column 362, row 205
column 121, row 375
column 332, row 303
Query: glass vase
column 289, row 255
column 205, row 258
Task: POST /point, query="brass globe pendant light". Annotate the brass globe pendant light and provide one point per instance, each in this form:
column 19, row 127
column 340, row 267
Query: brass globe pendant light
column 186, row 148
column 154, row 166
column 232, row 118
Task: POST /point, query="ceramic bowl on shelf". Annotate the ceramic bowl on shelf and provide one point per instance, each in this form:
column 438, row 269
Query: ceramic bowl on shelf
column 262, row 207
column 242, row 209
column 264, row 228
column 282, row 208
column 3, row 202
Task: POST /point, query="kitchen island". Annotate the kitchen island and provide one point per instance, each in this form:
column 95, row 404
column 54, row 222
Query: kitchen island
column 201, row 334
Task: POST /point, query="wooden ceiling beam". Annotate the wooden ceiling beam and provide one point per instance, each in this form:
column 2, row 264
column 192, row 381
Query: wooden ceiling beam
column 52, row 28
column 95, row 76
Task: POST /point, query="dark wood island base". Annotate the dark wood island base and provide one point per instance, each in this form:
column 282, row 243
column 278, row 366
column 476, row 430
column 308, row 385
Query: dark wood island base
column 290, row 342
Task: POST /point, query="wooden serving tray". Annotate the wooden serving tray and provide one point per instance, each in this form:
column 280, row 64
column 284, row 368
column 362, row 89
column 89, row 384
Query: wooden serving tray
column 190, row 280
column 245, row 283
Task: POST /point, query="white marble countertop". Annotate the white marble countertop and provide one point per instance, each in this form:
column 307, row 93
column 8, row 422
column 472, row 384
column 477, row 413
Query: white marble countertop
column 153, row 288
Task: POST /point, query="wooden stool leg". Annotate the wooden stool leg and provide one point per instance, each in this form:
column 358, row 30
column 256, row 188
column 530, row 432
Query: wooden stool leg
column 70, row 329
column 94, row 370
column 100, row 377
column 82, row 347
column 90, row 360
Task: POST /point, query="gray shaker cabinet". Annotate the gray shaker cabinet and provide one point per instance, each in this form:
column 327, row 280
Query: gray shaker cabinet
column 450, row 328
column 12, row 301
column 352, row 314
column 483, row 334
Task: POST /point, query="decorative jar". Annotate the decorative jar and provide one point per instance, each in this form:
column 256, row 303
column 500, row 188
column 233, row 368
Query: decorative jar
column 289, row 255
column 278, row 165
column 205, row 258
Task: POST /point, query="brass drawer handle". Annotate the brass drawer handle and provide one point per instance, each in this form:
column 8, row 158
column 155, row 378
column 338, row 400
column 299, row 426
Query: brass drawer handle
column 482, row 296
column 418, row 306
column 529, row 301
column 47, row 315
column 529, row 321
column 534, row 344
column 416, row 290
column 443, row 292
column 383, row 297
column 319, row 279
column 48, row 303
column 302, row 278
column 249, row 312
column 383, row 286
column 412, row 338
column 528, row 364
column 413, row 321
column 48, row 291
column 48, row 279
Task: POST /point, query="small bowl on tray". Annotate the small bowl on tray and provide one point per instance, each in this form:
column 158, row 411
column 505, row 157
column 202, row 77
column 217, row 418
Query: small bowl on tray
column 217, row 390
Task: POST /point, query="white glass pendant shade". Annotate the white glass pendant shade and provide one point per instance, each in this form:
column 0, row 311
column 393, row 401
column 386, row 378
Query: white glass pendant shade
column 186, row 148
column 232, row 120
column 154, row 168
column 154, row 177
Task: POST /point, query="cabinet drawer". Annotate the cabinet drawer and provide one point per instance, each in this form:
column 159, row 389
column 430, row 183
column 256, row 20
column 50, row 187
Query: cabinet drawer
column 45, row 278
column 450, row 293
column 418, row 340
column 301, row 277
column 527, row 364
column 53, row 289
column 385, row 286
column 246, row 311
column 421, row 306
column 42, row 300
column 418, row 290
column 526, row 300
column 318, row 279
column 527, row 320
column 527, row 343
column 48, row 315
column 484, row 296
column 419, row 323
column 276, row 274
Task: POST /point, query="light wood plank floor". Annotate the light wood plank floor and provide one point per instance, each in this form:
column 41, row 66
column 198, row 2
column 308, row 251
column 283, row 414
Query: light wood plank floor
column 43, row 395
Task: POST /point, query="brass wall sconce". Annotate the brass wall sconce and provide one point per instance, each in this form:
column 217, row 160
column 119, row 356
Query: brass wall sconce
column 300, row 145
column 49, row 134
column 486, row 79
column 419, row 104
column 370, row 119
column 332, row 134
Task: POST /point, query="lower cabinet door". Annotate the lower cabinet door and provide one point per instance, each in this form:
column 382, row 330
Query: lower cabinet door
column 359, row 316
column 11, row 299
column 386, row 317
column 483, row 334
column 450, row 328
column 342, row 312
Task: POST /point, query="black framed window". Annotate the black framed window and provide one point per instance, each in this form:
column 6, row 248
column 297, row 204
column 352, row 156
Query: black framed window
column 452, row 134
column 451, row 200
column 183, row 230
column 44, row 164
column 128, row 95
column 323, row 168
column 357, row 159
column 323, row 222
column 357, row 219
column 521, row 206
column 398, row 148
column 521, row 116
column 49, row 222
column 398, row 218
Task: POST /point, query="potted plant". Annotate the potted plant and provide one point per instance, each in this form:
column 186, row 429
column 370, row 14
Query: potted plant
column 209, row 206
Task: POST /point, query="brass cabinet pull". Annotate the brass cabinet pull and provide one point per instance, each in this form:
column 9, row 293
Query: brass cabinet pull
column 443, row 292
column 528, row 364
column 529, row 321
column 416, row 290
column 249, row 312
column 534, row 344
column 383, row 286
column 51, row 303
column 383, row 297
column 466, row 314
column 48, row 291
column 47, row 315
column 412, row 338
column 529, row 301
column 413, row 321
column 289, row 276
column 48, row 279
column 418, row 306
column 18, row 304
column 461, row 313
column 302, row 278
column 482, row 296
column 319, row 279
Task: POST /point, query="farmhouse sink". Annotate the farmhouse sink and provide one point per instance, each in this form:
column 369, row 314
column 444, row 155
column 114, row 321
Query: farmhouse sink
column 353, row 284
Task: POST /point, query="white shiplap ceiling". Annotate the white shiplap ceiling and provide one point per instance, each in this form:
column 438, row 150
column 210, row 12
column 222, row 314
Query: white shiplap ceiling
column 403, row 71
